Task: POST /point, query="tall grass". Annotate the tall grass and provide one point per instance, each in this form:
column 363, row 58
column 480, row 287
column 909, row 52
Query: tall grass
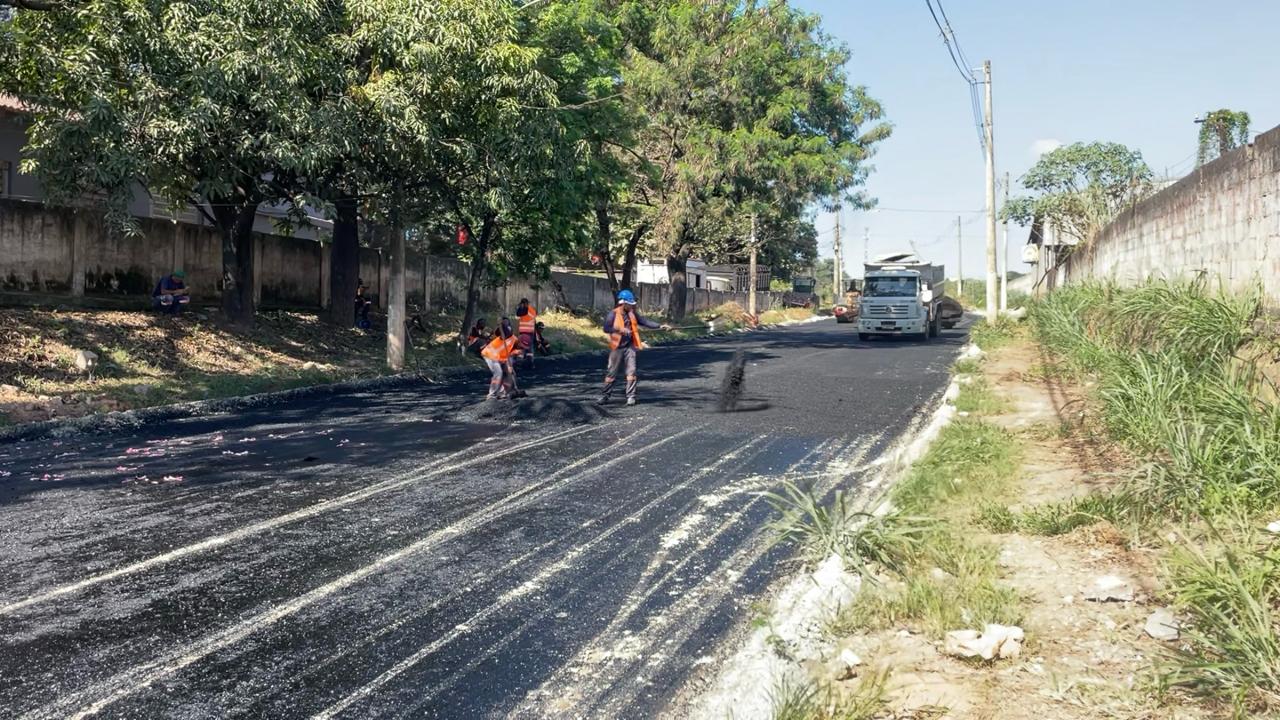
column 1176, row 384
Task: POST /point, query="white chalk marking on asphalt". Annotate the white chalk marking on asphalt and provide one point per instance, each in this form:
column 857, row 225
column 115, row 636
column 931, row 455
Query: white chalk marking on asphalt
column 522, row 560
column 280, row 520
column 561, row 564
column 838, row 464
column 629, row 641
column 126, row 683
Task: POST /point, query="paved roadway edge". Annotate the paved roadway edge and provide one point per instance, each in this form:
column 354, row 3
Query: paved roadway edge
column 802, row 604
column 135, row 419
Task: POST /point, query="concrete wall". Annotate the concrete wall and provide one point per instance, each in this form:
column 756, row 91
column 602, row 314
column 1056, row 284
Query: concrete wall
column 68, row 252
column 1221, row 222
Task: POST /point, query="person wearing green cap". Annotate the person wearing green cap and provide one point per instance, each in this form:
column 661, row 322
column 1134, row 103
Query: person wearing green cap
column 171, row 293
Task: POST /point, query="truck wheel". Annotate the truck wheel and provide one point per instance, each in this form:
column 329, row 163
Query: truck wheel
column 934, row 329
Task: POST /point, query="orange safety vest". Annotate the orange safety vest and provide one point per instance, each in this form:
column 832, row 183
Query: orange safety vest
column 527, row 324
column 500, row 349
column 615, row 337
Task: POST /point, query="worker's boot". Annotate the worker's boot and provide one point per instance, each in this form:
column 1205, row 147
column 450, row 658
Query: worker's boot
column 631, row 401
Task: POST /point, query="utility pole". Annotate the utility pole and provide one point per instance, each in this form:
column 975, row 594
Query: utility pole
column 959, row 261
column 866, row 245
column 837, row 274
column 395, row 306
column 1004, row 254
column 993, row 310
column 751, row 295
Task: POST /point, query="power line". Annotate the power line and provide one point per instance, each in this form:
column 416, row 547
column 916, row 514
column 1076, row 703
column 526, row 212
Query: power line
column 965, row 68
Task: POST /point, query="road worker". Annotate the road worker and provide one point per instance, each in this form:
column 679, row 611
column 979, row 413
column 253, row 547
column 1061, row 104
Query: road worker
column 527, row 316
column 478, row 337
column 540, row 343
column 498, row 355
column 622, row 325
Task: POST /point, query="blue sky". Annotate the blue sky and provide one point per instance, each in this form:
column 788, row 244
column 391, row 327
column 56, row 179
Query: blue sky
column 1130, row 71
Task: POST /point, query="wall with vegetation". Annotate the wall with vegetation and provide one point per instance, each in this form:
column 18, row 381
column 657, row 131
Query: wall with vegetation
column 61, row 252
column 1222, row 222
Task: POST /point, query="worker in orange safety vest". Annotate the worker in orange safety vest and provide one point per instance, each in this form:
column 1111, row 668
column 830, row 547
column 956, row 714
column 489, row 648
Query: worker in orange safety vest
column 498, row 356
column 527, row 316
column 622, row 325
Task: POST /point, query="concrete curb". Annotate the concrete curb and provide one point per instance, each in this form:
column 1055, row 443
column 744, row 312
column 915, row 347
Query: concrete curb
column 126, row 419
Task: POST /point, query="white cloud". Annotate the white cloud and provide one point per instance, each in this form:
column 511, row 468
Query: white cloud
column 1045, row 145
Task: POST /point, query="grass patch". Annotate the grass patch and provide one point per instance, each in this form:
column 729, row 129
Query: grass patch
column 991, row 336
column 970, row 459
column 978, row 398
column 967, row 366
column 1228, row 592
column 793, row 699
column 1060, row 518
column 860, row 538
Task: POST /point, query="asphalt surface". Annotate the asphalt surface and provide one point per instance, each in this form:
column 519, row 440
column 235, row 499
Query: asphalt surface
column 419, row 552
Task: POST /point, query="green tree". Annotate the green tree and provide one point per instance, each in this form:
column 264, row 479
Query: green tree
column 1221, row 131
column 748, row 109
column 202, row 103
column 1081, row 187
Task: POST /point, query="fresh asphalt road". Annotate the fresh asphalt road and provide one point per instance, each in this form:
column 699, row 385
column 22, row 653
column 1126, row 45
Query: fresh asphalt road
column 418, row 552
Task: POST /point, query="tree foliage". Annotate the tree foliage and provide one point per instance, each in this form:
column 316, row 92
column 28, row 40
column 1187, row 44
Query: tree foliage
column 611, row 126
column 1082, row 187
column 1221, row 131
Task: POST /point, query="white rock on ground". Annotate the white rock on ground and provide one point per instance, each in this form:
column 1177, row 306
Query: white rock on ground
column 1110, row 588
column 996, row 641
column 1273, row 527
column 1162, row 625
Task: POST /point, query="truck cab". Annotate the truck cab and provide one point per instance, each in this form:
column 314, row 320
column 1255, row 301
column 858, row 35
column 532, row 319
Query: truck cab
column 896, row 302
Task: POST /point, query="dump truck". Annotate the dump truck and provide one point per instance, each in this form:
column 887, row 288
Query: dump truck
column 904, row 295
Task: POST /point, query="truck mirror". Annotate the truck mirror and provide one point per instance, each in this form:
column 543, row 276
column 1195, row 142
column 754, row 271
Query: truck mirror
column 926, row 296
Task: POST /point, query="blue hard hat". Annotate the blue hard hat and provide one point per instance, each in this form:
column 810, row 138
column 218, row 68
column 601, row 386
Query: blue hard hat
column 626, row 296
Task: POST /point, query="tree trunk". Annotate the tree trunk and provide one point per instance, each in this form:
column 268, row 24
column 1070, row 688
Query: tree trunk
column 235, row 223
column 603, row 236
column 395, row 304
column 477, row 272
column 676, row 304
column 344, row 262
column 629, row 259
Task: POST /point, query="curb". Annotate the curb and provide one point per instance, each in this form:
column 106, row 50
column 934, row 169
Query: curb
column 196, row 408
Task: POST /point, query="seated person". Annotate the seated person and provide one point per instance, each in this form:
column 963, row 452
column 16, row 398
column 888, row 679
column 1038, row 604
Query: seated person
column 363, row 303
column 540, row 343
column 477, row 337
column 171, row 293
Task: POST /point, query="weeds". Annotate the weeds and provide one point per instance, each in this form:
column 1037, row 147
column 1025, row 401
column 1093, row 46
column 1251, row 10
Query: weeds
column 1059, row 518
column 1229, row 595
column 859, row 538
column 977, row 397
column 1177, row 385
column 793, row 699
column 990, row 336
column 969, row 457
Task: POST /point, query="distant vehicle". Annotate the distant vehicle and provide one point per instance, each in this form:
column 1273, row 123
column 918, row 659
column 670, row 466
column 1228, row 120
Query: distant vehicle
column 846, row 308
column 904, row 295
column 802, row 292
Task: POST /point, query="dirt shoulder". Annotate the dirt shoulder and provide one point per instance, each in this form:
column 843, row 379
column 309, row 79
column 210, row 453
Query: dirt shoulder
column 1083, row 597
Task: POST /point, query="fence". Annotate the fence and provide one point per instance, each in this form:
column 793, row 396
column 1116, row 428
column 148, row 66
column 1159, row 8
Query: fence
column 64, row 252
